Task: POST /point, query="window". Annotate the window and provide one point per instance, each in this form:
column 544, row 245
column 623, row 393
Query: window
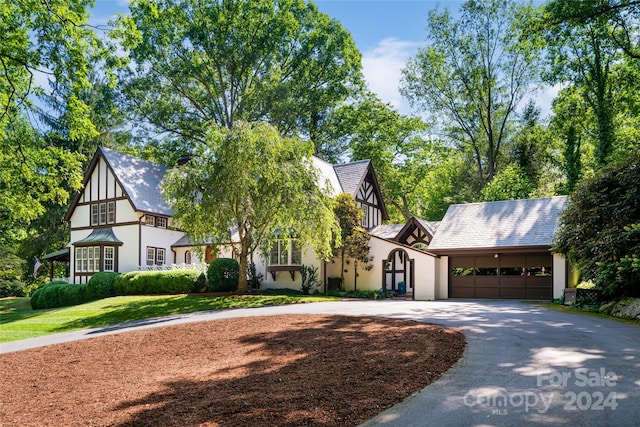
column 111, row 212
column 461, row 271
column 108, row 258
column 161, row 222
column 286, row 252
column 155, row 256
column 150, row 220
column 187, row 257
column 512, row 271
column 539, row 271
column 88, row 259
column 103, row 213
column 94, row 214
column 151, row 256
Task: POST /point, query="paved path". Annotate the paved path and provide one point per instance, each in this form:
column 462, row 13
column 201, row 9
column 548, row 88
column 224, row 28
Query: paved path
column 524, row 365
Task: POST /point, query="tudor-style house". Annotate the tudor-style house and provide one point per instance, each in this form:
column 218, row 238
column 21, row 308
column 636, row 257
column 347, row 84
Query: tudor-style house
column 120, row 222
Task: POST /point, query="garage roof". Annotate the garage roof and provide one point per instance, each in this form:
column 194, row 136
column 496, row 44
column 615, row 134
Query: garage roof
column 502, row 224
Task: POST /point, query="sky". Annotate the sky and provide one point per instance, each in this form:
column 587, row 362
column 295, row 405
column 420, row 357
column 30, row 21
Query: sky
column 387, row 33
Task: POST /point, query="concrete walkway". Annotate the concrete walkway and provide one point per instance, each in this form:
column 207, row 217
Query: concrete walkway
column 524, row 365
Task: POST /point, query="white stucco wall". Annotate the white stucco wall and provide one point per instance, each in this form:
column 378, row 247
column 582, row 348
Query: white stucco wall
column 559, row 275
column 425, row 270
column 442, row 279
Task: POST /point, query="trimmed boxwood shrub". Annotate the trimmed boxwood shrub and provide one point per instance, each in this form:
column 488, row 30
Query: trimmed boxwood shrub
column 156, row 282
column 100, row 285
column 59, row 295
column 224, row 274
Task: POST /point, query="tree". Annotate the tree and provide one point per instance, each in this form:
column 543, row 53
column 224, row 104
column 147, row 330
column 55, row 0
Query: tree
column 509, row 184
column 472, row 75
column 353, row 242
column 251, row 181
column 584, row 53
column 622, row 14
column 597, row 231
column 195, row 64
column 41, row 41
column 371, row 129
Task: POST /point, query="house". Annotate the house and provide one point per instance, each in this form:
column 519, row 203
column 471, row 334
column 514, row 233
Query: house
column 119, row 219
column 120, row 222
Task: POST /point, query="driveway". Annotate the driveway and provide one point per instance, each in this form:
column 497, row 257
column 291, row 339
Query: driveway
column 524, row 365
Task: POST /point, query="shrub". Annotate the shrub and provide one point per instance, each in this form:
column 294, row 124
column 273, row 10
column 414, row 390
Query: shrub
column 100, row 285
column 310, row 282
column 200, row 284
column 59, row 295
column 223, row 275
column 254, row 279
column 597, row 230
column 156, row 282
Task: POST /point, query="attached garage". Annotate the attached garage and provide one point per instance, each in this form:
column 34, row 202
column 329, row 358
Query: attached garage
column 500, row 249
column 527, row 276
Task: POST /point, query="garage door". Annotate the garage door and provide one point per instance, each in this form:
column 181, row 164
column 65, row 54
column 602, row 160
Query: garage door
column 507, row 276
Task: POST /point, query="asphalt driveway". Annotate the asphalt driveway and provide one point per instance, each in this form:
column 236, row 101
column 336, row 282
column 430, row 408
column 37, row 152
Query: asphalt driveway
column 524, row 365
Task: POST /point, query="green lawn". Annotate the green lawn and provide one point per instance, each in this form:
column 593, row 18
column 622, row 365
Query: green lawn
column 18, row 321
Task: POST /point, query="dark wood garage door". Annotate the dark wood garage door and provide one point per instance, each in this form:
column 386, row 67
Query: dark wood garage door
column 507, row 276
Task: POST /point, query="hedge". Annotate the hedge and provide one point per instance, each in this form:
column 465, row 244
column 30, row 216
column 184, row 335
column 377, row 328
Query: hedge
column 62, row 294
column 157, row 282
column 59, row 295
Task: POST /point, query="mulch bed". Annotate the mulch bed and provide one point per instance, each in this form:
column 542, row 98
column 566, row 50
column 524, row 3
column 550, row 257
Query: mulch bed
column 311, row 370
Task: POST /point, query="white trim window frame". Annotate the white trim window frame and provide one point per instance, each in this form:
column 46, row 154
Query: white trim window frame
column 109, row 258
column 285, row 252
column 94, row 214
column 111, row 212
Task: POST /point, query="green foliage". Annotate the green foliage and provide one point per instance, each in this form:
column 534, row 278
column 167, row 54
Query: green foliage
column 597, row 231
column 353, row 241
column 101, row 285
column 223, row 275
column 59, row 295
column 467, row 89
column 254, row 279
column 509, row 184
column 200, row 284
column 196, row 63
column 156, row 282
column 255, row 181
column 373, row 130
column 10, row 274
column 310, row 281
column 379, row 294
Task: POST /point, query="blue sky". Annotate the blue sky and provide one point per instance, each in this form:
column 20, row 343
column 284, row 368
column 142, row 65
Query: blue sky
column 387, row 33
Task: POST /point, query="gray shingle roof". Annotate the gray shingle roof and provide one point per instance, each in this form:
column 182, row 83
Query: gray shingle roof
column 140, row 179
column 351, row 175
column 387, row 231
column 503, row 224
column 100, row 235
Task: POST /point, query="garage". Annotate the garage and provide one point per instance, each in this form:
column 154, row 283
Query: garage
column 522, row 276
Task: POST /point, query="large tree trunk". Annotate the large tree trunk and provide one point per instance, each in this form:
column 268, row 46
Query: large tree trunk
column 243, row 286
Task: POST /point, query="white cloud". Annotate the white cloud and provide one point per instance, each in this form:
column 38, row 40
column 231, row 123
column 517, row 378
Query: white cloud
column 382, row 68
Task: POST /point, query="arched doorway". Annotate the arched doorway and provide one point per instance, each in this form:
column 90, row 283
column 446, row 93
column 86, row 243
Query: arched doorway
column 397, row 269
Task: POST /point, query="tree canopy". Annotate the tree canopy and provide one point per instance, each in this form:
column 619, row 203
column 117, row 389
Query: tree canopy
column 196, row 64
column 251, row 182
column 472, row 75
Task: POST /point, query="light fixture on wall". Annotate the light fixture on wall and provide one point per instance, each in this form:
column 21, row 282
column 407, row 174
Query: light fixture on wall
column 496, row 256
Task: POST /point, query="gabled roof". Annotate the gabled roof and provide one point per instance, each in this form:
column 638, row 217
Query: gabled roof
column 140, row 179
column 351, row 175
column 502, row 224
column 386, row 231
